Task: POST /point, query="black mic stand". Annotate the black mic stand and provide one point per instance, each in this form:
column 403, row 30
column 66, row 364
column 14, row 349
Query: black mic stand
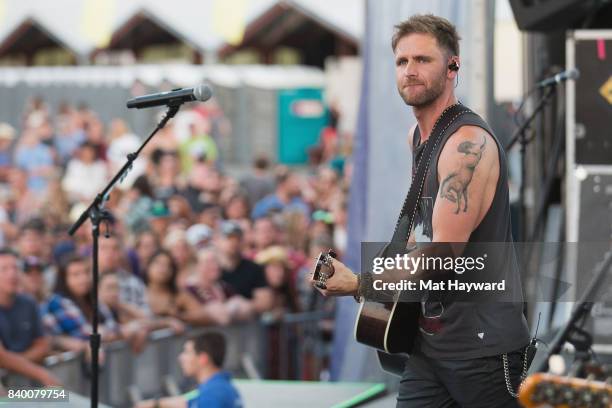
column 573, row 332
column 98, row 214
column 520, row 136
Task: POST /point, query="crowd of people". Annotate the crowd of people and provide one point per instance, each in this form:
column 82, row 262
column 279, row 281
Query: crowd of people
column 185, row 243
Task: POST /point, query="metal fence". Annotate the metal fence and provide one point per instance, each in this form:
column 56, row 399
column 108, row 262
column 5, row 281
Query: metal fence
column 291, row 347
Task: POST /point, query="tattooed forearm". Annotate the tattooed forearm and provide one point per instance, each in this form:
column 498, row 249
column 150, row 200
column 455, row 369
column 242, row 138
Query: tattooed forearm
column 454, row 186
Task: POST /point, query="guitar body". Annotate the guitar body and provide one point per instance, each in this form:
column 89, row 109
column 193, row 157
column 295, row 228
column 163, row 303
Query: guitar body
column 391, row 328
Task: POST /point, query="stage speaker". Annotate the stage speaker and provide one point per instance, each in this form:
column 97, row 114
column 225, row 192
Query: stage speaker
column 548, row 15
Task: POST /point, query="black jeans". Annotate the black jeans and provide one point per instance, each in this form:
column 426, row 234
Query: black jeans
column 474, row 383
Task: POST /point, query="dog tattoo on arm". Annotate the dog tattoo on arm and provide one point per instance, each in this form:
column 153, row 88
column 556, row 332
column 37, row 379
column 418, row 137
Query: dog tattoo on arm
column 454, row 186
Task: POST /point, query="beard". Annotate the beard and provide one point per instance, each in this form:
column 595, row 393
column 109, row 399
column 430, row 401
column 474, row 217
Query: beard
column 424, row 96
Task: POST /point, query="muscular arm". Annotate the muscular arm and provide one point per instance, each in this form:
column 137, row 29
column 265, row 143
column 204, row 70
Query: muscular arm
column 468, row 171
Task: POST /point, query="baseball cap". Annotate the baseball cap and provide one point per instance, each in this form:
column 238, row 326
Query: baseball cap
column 198, row 233
column 230, row 228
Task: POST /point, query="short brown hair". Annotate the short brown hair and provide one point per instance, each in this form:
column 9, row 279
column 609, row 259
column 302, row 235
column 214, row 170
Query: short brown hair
column 213, row 344
column 440, row 28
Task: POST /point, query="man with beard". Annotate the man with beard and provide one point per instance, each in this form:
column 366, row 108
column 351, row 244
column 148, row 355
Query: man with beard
column 467, row 354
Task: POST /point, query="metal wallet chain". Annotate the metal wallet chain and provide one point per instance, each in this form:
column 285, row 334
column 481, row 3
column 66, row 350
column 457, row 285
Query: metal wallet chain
column 507, row 373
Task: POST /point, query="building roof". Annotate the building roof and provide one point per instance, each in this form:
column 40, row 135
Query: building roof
column 187, row 20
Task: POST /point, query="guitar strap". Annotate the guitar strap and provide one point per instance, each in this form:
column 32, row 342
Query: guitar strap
column 405, row 221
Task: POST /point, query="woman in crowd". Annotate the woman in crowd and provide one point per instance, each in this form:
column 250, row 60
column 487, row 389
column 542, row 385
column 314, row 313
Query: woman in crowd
column 134, row 324
column 68, row 313
column 146, row 244
column 275, row 260
column 212, row 301
column 177, row 245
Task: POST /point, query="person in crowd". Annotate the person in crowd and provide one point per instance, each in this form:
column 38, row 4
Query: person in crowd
column 70, row 134
column 202, row 359
column 266, row 232
column 277, row 269
column 162, row 290
column 177, row 244
column 55, row 204
column 258, row 183
column 68, row 313
column 159, row 217
column 33, row 245
column 35, row 158
column 210, row 215
column 146, row 244
column 86, row 174
column 135, row 205
column 165, row 179
column 121, row 143
column 211, row 301
column 23, row 344
column 296, row 230
column 275, row 261
column 237, row 207
column 111, row 259
column 327, row 188
column 286, row 195
column 244, row 276
column 94, row 131
column 24, row 202
column 7, row 136
column 32, row 280
column 130, row 322
column 134, row 324
column 199, row 146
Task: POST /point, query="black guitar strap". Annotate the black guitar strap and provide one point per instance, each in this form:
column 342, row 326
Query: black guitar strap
column 403, row 227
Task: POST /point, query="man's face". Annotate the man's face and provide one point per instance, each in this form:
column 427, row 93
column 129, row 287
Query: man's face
column 108, row 254
column 31, row 243
column 421, row 69
column 230, row 245
column 208, row 267
column 189, row 360
column 9, row 274
column 265, row 233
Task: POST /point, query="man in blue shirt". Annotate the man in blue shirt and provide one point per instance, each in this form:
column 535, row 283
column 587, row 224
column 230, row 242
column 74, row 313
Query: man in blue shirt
column 22, row 343
column 202, row 358
column 287, row 196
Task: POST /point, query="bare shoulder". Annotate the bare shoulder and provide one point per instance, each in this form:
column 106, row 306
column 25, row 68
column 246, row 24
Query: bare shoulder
column 473, row 143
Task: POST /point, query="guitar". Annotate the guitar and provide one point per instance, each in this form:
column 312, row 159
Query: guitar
column 390, row 327
column 548, row 390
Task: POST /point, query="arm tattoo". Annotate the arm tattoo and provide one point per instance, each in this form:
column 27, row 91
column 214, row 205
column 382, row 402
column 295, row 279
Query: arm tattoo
column 454, row 186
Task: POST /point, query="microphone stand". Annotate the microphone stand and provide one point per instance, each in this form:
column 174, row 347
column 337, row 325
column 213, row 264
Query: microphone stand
column 98, row 214
column 520, row 136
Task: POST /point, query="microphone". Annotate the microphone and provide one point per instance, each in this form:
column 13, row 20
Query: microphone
column 560, row 77
column 171, row 98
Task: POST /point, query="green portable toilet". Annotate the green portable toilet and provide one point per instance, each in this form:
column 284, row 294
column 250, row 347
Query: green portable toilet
column 301, row 117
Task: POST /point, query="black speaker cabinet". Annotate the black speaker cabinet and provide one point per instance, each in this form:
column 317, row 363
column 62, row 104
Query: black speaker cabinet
column 548, row 15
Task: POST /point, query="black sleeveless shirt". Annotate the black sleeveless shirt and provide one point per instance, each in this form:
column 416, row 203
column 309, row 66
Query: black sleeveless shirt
column 463, row 330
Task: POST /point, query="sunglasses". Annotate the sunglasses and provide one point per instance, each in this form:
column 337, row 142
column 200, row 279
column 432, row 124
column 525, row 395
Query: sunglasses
column 324, row 269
